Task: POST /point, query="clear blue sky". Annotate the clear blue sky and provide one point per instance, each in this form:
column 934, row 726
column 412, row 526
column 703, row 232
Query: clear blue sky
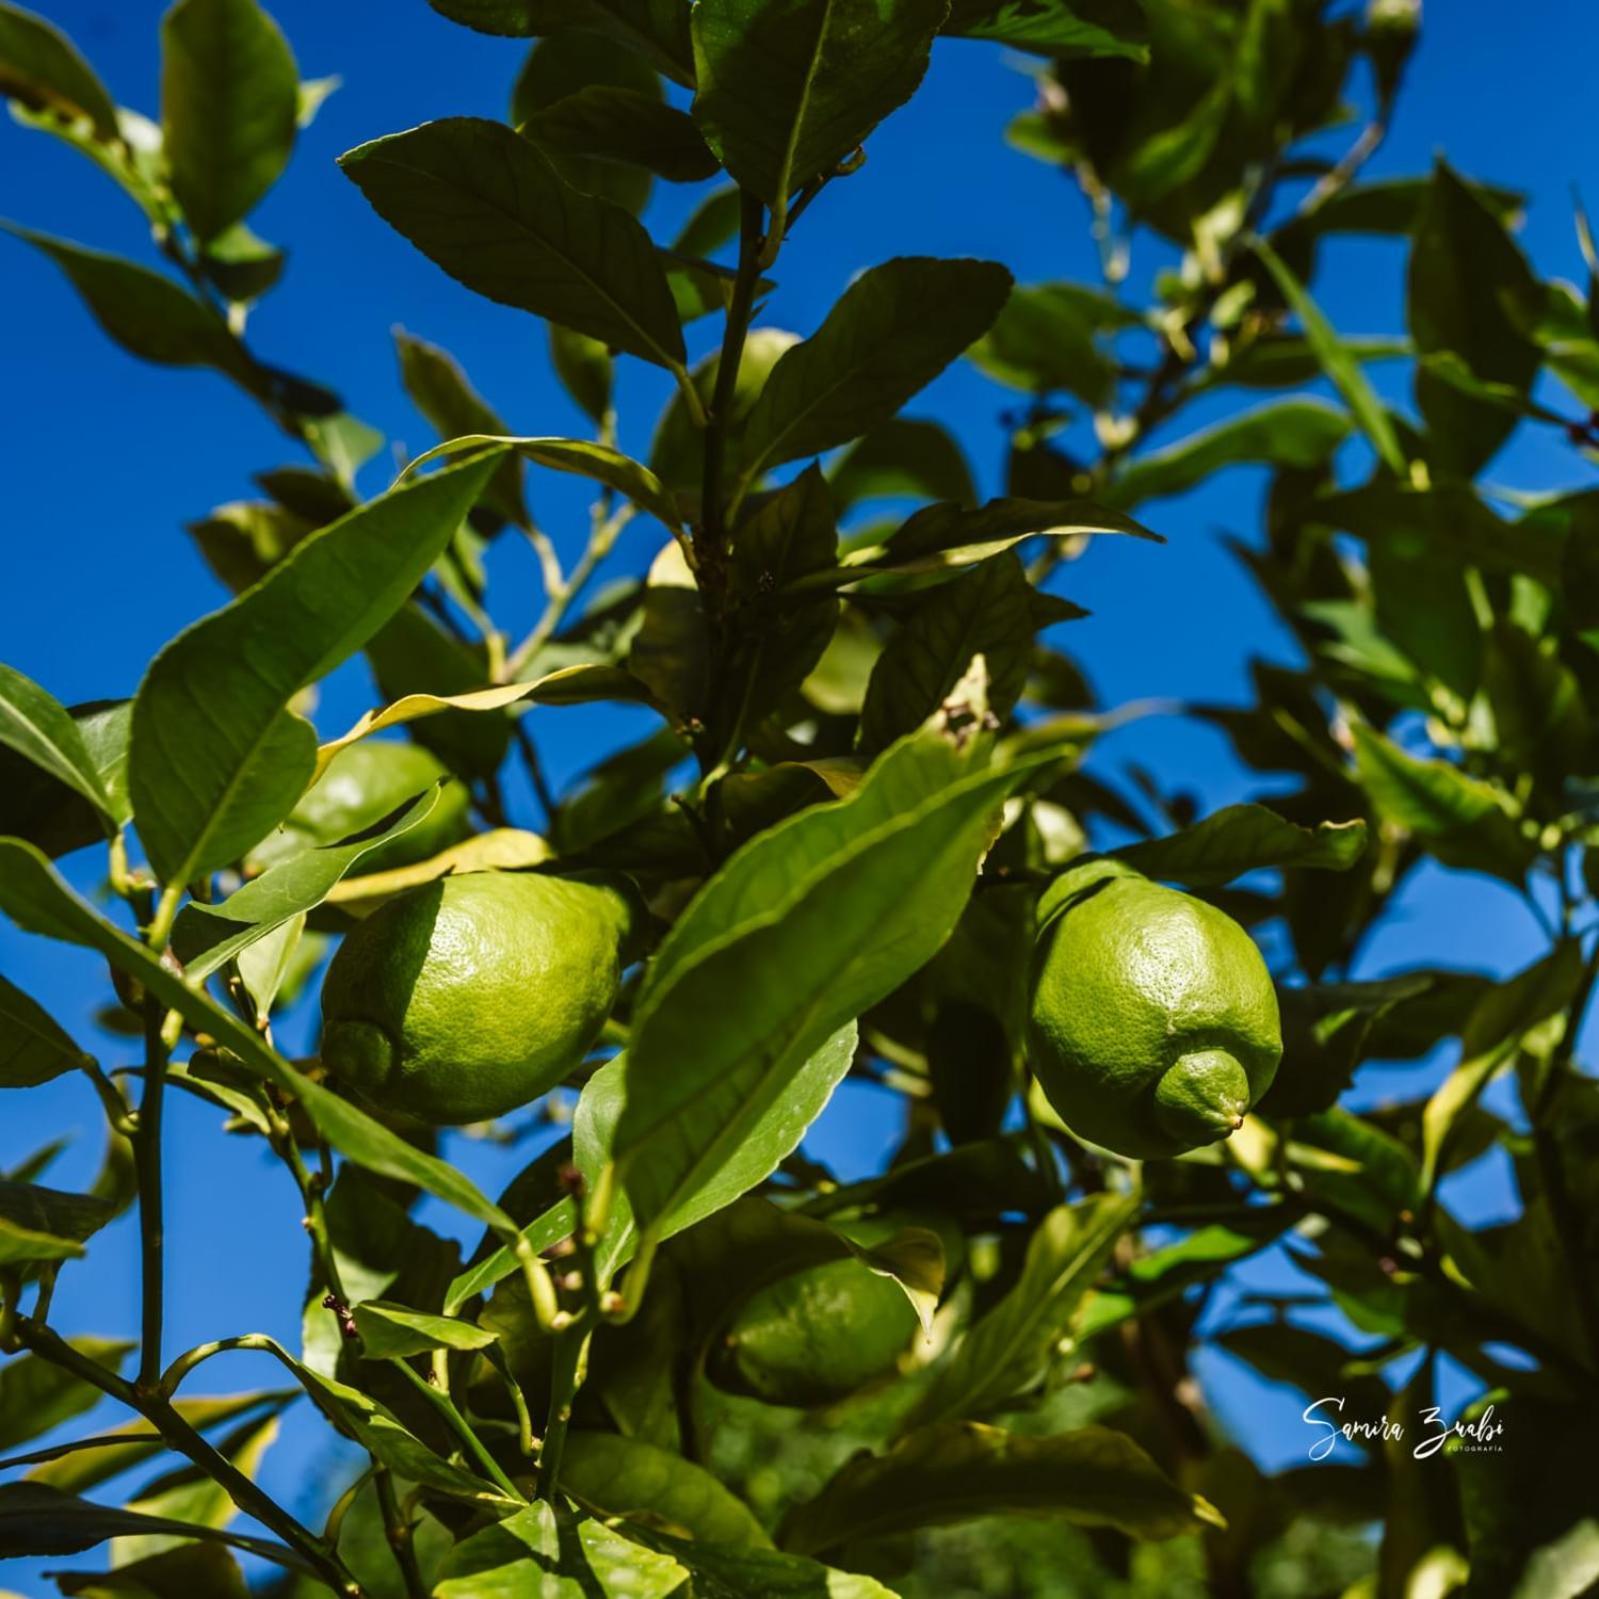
column 105, row 458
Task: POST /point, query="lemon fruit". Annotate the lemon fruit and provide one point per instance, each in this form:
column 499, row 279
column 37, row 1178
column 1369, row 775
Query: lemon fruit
column 1154, row 1023
column 824, row 1333
column 472, row 996
column 364, row 783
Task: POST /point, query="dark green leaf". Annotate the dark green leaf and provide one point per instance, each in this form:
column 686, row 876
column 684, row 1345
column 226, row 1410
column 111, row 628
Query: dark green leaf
column 1464, row 821
column 441, row 392
column 37, row 900
column 941, row 536
column 186, row 1571
column 36, row 1395
column 552, row 1554
column 658, row 29
column 1338, row 362
column 615, row 1476
column 1289, row 433
column 37, row 726
column 713, row 223
column 33, row 1048
column 43, row 1224
column 36, row 1519
column 896, row 328
column 615, row 124
column 1058, row 28
column 1009, row 1349
column 41, row 69
column 570, row 64
column 1046, row 339
column 955, row 1472
column 802, row 930
column 1464, row 271
column 903, row 459
column 585, row 457
column 787, row 91
column 391, row 1331
column 146, row 314
column 1527, row 1012
column 230, row 99
column 202, row 801
column 722, row 1573
column 485, row 205
column 788, row 537
column 1243, row 838
column 242, row 266
column 584, row 367
column 205, row 937
column 987, row 611
column 82, row 1464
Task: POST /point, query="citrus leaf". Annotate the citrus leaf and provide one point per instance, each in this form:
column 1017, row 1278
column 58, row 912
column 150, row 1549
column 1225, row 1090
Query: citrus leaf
column 787, row 91
column 1340, row 365
column 1499, row 1025
column 1244, row 838
column 230, row 101
column 628, row 1477
column 584, row 457
column 570, row 685
column 895, row 329
column 804, row 928
column 45, row 1224
column 38, row 901
column 34, row 1048
column 553, row 1554
column 958, row 1471
column 987, row 612
column 1463, row 820
column 904, row 458
column 947, row 535
column 85, row 1462
column 391, row 1331
column 501, row 849
column 1059, row 28
column 1289, row 433
column 485, row 204
column 1465, row 274
column 41, row 68
column 1009, row 1348
column 658, row 29
column 36, row 1519
column 441, row 392
column 723, row 1573
column 610, row 122
column 217, row 760
column 55, row 815
column 147, row 314
column 205, row 937
column 36, row 1395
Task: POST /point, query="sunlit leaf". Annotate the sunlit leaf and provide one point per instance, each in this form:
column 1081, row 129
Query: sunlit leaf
column 202, row 801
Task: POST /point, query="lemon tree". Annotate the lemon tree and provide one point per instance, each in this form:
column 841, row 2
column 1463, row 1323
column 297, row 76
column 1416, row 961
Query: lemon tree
column 543, row 959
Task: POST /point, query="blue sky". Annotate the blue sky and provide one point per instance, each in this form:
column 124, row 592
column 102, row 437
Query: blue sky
column 105, row 459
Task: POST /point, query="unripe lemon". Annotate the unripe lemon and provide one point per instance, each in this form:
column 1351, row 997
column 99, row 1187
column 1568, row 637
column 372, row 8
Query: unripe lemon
column 1154, row 1022
column 364, row 783
column 823, row 1333
column 474, row 995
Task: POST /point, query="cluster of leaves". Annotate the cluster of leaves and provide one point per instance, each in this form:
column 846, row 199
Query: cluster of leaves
column 864, row 765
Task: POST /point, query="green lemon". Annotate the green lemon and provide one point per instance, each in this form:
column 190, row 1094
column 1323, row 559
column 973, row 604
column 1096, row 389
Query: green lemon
column 822, row 1334
column 364, row 783
column 1154, row 1021
column 474, row 995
